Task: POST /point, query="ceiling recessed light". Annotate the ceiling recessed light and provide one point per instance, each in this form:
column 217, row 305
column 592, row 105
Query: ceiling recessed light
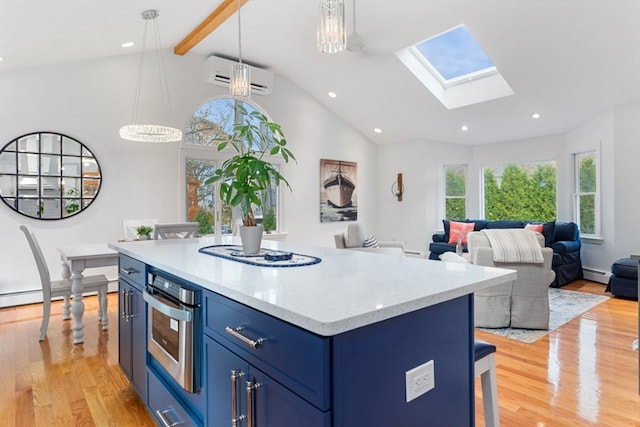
column 1, row 58
column 464, row 128
column 332, row 94
column 377, row 130
column 535, row 116
column 128, row 44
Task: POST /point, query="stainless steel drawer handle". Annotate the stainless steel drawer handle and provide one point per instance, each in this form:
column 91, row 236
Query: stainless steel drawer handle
column 235, row 402
column 248, row 341
column 127, row 271
column 125, row 308
column 251, row 387
column 165, row 421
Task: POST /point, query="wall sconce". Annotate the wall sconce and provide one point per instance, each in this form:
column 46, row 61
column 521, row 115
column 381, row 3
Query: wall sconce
column 397, row 188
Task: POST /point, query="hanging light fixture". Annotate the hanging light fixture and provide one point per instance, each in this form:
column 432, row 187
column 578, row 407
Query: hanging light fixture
column 332, row 35
column 240, row 80
column 147, row 132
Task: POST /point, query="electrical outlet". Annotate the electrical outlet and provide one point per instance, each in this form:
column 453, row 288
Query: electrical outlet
column 419, row 380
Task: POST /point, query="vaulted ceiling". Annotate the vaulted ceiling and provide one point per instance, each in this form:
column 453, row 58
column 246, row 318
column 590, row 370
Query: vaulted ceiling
column 566, row 59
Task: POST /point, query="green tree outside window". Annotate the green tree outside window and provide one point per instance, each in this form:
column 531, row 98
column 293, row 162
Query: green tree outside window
column 521, row 192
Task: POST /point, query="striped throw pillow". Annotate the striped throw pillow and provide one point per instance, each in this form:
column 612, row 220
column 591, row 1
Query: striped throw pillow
column 370, row 242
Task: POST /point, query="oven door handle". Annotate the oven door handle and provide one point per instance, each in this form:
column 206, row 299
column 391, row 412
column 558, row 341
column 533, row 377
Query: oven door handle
column 174, row 313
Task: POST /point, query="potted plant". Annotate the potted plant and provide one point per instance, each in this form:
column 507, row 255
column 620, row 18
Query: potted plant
column 144, row 232
column 245, row 176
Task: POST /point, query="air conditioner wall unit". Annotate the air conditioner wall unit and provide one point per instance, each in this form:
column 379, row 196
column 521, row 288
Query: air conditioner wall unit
column 218, row 70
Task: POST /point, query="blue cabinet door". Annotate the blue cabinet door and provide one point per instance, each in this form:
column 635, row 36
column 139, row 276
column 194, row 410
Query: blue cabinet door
column 138, row 317
column 219, row 362
column 132, row 349
column 272, row 404
column 124, row 329
column 275, row 405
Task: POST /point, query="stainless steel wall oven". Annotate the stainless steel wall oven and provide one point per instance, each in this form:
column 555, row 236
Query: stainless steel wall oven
column 173, row 329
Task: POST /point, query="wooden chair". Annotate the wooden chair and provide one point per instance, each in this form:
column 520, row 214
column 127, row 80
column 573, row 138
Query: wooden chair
column 485, row 366
column 180, row 230
column 62, row 288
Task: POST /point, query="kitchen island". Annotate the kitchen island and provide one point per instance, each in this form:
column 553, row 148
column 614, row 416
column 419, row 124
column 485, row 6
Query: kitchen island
column 338, row 336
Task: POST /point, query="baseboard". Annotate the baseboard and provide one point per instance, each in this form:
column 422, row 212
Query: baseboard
column 13, row 299
column 596, row 275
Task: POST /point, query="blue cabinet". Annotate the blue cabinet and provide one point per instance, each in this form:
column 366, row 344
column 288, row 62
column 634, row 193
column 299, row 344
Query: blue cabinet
column 132, row 329
column 238, row 390
column 262, row 369
column 297, row 359
column 356, row 378
column 165, row 407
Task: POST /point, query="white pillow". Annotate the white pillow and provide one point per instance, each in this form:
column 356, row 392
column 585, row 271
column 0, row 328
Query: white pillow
column 353, row 236
column 452, row 257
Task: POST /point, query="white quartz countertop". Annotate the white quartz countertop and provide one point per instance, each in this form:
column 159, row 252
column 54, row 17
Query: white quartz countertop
column 345, row 291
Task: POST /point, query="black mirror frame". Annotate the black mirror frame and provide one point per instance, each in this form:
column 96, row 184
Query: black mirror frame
column 67, row 203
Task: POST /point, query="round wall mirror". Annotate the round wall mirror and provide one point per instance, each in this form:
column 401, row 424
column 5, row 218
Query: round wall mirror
column 48, row 175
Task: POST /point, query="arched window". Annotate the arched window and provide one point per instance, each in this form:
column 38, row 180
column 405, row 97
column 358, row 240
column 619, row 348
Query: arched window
column 212, row 123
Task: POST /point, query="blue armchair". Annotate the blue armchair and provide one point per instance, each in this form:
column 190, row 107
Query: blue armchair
column 566, row 253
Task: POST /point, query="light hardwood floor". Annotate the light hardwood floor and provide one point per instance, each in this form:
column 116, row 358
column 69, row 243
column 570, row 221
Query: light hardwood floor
column 56, row 383
column 583, row 374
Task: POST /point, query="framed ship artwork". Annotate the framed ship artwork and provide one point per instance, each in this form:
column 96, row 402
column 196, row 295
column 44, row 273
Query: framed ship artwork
column 338, row 190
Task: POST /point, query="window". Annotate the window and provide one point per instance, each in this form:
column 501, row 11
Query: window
column 455, row 55
column 455, row 194
column 454, row 67
column 212, row 122
column 524, row 191
column 587, row 197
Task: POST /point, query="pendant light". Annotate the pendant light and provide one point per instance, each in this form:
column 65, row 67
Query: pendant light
column 332, row 35
column 240, row 80
column 150, row 132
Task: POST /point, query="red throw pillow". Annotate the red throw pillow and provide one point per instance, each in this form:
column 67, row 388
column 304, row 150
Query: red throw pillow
column 460, row 230
column 534, row 227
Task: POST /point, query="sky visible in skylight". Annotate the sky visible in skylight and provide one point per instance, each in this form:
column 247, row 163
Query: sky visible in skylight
column 454, row 53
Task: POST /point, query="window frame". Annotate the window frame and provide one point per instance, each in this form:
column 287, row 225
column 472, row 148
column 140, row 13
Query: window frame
column 445, row 197
column 211, row 153
column 577, row 193
column 504, row 166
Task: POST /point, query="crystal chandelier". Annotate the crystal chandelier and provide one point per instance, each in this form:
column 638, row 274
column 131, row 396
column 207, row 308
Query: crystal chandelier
column 332, row 35
column 240, row 80
column 149, row 132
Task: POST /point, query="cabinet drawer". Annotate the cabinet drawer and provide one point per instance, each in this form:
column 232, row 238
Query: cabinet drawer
column 164, row 407
column 296, row 358
column 132, row 270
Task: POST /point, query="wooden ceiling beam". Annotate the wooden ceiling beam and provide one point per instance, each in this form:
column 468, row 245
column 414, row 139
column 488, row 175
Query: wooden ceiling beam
column 206, row 27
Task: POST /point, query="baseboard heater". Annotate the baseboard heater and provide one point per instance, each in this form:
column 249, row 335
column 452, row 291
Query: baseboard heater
column 18, row 293
column 596, row 275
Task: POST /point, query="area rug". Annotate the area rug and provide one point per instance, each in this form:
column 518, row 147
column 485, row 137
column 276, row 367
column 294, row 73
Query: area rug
column 563, row 305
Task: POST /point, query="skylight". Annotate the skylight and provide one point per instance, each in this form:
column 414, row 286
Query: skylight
column 454, row 67
column 455, row 53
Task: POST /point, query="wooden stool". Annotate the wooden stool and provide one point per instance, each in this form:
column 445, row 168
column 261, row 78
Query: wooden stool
column 485, row 366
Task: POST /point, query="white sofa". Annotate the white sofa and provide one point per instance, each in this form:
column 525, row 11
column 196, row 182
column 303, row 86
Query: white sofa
column 523, row 303
column 354, row 236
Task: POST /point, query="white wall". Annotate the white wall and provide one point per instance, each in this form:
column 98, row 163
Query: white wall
column 316, row 133
column 598, row 134
column 615, row 132
column 420, row 213
column 626, row 183
column 91, row 100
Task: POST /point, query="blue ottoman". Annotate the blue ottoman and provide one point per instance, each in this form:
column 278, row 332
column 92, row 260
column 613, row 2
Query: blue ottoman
column 624, row 278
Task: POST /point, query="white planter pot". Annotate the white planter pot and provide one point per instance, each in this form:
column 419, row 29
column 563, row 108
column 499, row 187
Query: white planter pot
column 251, row 239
